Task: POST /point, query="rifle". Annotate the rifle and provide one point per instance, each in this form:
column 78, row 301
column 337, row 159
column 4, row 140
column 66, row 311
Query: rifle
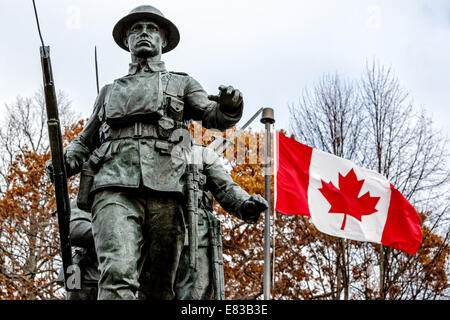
column 215, row 236
column 59, row 169
column 192, row 188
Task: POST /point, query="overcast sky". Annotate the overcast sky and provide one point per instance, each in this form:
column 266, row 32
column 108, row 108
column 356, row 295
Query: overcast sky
column 270, row 50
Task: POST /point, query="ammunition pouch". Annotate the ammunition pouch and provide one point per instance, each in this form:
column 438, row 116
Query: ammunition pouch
column 165, row 127
column 175, row 108
column 85, row 197
column 133, row 98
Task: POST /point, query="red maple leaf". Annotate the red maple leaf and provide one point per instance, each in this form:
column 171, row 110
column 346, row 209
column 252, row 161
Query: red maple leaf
column 345, row 200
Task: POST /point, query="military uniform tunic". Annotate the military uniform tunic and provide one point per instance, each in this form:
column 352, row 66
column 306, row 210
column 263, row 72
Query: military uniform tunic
column 135, row 124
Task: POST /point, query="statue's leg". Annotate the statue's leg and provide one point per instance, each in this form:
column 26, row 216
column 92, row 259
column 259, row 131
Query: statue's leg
column 117, row 229
column 85, row 293
column 194, row 285
column 165, row 238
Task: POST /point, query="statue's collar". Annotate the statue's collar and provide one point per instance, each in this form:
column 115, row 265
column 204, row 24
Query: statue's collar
column 148, row 66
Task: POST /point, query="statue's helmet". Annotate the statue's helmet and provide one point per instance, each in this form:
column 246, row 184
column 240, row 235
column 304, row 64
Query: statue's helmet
column 146, row 12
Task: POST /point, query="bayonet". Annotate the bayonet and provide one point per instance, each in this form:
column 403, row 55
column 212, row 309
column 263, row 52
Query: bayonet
column 96, row 71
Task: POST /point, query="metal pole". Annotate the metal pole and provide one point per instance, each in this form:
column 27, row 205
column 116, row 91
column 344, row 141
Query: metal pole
column 268, row 119
column 96, row 71
column 274, row 213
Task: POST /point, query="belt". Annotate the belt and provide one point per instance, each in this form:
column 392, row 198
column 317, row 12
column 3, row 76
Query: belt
column 142, row 130
column 137, row 130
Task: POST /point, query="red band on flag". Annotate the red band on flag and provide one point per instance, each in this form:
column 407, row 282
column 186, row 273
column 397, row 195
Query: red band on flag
column 402, row 230
column 293, row 162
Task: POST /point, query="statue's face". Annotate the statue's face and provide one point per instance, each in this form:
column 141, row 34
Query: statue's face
column 145, row 39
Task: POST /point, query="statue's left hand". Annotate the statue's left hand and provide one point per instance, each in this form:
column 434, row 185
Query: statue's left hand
column 72, row 167
column 252, row 208
column 229, row 98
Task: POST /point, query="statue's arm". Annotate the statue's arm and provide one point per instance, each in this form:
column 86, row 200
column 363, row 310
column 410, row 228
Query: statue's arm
column 78, row 151
column 228, row 193
column 212, row 114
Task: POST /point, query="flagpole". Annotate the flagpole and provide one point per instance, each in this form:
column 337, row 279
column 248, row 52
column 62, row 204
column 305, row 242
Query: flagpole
column 267, row 119
column 275, row 154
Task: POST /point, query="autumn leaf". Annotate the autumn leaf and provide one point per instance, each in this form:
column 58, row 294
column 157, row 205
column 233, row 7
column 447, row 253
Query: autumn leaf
column 346, row 201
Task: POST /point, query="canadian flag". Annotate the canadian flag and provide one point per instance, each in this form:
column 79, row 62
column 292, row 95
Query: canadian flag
column 342, row 199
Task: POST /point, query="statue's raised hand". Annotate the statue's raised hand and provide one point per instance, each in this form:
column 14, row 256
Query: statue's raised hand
column 229, row 98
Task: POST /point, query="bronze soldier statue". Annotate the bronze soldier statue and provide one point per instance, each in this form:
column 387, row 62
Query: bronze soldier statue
column 190, row 284
column 132, row 180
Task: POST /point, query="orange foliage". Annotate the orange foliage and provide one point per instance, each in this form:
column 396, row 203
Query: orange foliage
column 29, row 238
column 307, row 262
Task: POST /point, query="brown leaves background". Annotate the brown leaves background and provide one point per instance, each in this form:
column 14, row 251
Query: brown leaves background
column 308, row 264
